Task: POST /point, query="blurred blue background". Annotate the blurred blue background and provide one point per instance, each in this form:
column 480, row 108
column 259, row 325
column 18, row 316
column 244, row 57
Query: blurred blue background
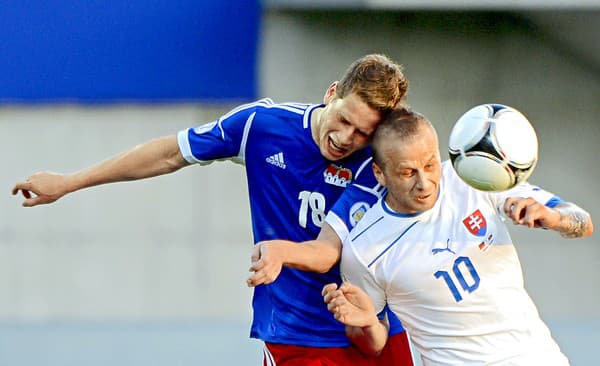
column 153, row 272
column 92, row 51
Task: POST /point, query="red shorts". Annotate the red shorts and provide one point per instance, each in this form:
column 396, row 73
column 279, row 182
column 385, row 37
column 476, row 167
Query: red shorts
column 395, row 353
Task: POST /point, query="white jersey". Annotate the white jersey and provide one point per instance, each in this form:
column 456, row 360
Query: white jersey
column 453, row 277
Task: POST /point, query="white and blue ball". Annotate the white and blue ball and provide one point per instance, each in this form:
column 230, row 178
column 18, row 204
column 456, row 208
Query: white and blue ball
column 493, row 147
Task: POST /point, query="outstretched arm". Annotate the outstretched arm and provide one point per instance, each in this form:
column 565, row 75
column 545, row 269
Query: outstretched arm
column 351, row 306
column 156, row 157
column 568, row 219
column 318, row 255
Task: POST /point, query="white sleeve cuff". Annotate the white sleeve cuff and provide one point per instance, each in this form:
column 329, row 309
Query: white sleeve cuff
column 338, row 225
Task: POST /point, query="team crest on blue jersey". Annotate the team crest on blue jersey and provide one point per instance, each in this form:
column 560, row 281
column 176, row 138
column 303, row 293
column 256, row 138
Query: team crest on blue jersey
column 337, row 176
column 476, row 223
column 357, row 211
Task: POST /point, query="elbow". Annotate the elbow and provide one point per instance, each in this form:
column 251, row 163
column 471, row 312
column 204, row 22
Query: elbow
column 327, row 263
column 369, row 343
column 322, row 269
column 174, row 162
column 372, row 351
column 369, row 350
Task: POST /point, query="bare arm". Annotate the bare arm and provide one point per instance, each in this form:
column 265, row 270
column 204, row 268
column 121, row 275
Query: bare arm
column 353, row 307
column 568, row 219
column 156, row 157
column 318, row 255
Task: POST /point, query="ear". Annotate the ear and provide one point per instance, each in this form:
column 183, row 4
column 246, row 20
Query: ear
column 330, row 93
column 378, row 174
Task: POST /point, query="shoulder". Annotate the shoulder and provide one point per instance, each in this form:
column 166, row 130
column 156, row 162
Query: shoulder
column 449, row 175
column 268, row 107
column 249, row 108
column 268, row 114
column 452, row 182
column 362, row 240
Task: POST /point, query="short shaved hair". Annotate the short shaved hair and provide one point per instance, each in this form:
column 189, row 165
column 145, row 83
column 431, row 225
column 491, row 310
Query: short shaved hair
column 401, row 124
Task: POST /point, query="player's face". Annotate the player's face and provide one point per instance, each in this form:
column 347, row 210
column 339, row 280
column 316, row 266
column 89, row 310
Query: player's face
column 411, row 171
column 344, row 125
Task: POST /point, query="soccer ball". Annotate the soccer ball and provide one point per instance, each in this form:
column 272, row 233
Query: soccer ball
column 493, row 147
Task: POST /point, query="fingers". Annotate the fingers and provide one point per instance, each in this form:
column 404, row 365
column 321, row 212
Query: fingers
column 342, row 309
column 266, row 264
column 32, row 196
column 255, row 253
column 337, row 308
column 25, row 189
column 331, row 291
column 524, row 211
column 254, row 281
column 328, row 288
column 32, row 201
column 347, row 287
column 513, row 208
column 259, row 277
column 263, row 275
column 21, row 186
column 335, row 300
column 530, row 215
column 333, row 297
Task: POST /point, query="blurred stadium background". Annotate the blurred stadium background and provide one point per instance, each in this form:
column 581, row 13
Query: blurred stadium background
column 153, row 272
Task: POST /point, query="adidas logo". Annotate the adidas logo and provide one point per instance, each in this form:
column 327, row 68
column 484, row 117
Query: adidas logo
column 276, row 160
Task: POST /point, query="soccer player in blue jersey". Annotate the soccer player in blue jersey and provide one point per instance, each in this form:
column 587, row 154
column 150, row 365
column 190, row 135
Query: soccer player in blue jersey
column 299, row 159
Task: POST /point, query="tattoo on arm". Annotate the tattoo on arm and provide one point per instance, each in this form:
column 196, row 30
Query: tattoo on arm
column 573, row 223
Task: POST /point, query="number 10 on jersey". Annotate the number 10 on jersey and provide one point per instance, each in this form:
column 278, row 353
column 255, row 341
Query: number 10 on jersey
column 464, row 273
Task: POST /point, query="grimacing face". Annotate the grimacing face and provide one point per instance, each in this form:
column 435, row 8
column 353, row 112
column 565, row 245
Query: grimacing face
column 411, row 170
column 344, row 125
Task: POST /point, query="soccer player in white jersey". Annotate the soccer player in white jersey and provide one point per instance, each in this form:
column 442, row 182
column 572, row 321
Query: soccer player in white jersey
column 439, row 254
column 299, row 160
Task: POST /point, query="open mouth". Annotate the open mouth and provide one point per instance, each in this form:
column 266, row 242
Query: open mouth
column 423, row 197
column 338, row 150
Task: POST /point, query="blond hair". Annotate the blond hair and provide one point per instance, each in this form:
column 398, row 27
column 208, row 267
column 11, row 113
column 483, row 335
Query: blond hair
column 377, row 80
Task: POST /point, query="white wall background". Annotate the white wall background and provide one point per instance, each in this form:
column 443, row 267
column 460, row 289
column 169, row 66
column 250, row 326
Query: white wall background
column 175, row 249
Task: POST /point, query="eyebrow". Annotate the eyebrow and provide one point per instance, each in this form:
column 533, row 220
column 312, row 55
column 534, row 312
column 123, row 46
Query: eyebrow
column 361, row 130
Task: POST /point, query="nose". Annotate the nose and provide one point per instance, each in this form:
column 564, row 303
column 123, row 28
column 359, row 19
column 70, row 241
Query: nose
column 346, row 136
column 422, row 181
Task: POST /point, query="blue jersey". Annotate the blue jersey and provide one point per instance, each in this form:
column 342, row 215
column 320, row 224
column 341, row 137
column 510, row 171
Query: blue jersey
column 291, row 188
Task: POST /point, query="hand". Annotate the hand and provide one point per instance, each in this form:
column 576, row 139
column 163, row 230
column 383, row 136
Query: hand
column 531, row 213
column 46, row 187
column 350, row 305
column 267, row 261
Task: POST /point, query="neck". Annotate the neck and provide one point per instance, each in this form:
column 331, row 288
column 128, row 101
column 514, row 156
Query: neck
column 315, row 123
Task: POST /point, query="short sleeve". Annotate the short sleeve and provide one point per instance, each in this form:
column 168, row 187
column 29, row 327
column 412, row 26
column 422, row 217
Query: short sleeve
column 355, row 201
column 525, row 190
column 222, row 139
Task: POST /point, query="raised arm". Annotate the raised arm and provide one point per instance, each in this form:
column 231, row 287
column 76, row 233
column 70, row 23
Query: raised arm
column 568, row 219
column 318, row 255
column 156, row 157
